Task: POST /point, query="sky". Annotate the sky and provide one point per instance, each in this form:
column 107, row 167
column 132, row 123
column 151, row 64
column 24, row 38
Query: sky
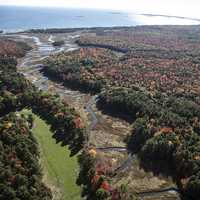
column 185, row 8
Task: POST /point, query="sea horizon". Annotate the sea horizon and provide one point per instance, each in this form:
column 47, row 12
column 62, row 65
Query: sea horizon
column 21, row 18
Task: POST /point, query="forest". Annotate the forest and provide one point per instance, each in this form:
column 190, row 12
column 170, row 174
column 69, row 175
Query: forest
column 13, row 49
column 20, row 172
column 163, row 133
column 151, row 75
column 170, row 67
column 76, row 69
column 21, row 175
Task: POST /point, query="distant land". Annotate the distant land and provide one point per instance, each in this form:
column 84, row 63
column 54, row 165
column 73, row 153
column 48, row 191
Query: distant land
column 171, row 16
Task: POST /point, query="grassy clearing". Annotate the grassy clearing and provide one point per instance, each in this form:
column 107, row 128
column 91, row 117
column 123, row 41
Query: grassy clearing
column 60, row 170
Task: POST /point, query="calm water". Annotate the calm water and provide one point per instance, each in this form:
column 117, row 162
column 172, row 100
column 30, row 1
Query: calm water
column 21, row 18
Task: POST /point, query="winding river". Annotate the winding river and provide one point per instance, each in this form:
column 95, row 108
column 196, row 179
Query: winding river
column 30, row 66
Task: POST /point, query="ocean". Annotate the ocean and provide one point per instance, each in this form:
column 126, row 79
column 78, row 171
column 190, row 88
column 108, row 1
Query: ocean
column 13, row 18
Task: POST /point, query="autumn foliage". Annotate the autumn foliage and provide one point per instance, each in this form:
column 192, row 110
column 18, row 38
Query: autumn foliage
column 10, row 48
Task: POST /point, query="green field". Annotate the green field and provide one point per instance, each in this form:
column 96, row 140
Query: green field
column 60, row 170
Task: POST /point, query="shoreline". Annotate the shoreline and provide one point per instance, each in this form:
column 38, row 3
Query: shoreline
column 57, row 30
